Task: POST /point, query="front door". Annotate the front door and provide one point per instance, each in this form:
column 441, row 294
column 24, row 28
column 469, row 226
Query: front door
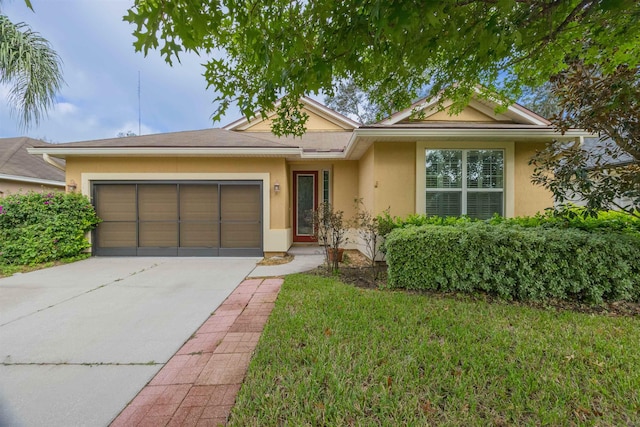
column 305, row 193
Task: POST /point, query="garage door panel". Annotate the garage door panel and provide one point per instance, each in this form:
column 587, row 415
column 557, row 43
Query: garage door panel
column 199, row 202
column 158, row 202
column 158, row 234
column 240, row 235
column 117, row 234
column 116, row 202
column 240, row 202
column 199, row 235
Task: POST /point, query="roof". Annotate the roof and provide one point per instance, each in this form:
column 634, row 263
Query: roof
column 17, row 164
column 602, row 147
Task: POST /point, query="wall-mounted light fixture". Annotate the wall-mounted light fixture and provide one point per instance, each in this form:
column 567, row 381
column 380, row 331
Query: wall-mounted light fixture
column 276, row 187
column 72, row 186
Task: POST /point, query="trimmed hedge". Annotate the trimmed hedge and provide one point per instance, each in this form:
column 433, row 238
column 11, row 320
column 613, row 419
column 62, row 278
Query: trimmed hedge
column 515, row 262
column 37, row 227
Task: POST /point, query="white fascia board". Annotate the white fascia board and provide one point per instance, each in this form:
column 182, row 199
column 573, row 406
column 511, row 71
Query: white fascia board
column 172, row 151
column 31, row 180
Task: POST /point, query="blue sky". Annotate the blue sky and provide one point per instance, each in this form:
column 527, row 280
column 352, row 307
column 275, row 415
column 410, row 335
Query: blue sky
column 100, row 95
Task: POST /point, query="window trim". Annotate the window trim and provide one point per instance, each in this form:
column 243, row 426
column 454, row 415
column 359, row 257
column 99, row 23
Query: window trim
column 509, row 174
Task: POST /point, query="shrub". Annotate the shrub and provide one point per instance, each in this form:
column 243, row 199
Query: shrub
column 516, row 262
column 575, row 217
column 36, row 227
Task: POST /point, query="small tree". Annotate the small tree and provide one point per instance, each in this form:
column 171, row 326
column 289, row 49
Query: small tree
column 330, row 230
column 368, row 228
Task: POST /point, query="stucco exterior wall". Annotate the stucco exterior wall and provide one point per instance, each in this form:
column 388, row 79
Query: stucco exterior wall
column 366, row 179
column 13, row 187
column 345, row 186
column 394, row 178
column 529, row 198
column 469, row 114
column 314, row 123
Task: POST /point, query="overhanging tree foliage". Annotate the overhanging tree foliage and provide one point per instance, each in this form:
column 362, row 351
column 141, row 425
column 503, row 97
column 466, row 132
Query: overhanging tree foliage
column 391, row 50
column 604, row 174
column 30, row 68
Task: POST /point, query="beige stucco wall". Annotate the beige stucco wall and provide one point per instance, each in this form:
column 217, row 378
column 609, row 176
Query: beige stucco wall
column 366, row 182
column 529, row 198
column 345, row 186
column 394, row 177
column 13, row 187
column 469, row 114
column 314, row 123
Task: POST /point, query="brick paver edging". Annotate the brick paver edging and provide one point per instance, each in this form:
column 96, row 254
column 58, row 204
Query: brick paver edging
column 199, row 384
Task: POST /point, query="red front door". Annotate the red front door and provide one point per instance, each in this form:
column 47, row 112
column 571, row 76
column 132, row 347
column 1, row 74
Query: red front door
column 305, row 195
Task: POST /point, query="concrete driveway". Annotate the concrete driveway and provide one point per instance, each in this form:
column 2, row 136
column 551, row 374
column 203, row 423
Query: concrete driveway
column 77, row 342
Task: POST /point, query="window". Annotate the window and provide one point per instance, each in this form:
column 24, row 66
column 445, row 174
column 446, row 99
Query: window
column 325, row 186
column 465, row 182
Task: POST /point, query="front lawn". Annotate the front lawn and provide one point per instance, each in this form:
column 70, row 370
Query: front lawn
column 332, row 354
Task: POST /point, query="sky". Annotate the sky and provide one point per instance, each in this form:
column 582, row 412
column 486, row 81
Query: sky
column 100, row 68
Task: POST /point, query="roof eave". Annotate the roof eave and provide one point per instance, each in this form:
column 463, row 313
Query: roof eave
column 32, row 180
column 62, row 152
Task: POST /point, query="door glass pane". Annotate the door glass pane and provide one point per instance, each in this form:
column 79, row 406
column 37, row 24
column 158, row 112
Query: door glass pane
column 305, row 205
column 444, row 203
column 444, row 169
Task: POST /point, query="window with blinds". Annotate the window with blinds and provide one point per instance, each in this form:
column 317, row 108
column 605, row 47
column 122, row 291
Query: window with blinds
column 465, row 182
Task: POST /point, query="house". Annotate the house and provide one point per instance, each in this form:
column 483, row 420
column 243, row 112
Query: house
column 22, row 172
column 240, row 190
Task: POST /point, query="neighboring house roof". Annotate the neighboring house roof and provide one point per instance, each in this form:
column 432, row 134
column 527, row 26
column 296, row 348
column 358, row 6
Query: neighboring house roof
column 16, row 164
column 598, row 146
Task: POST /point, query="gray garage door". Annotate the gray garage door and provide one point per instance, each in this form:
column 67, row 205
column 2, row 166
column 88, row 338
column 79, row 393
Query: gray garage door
column 190, row 218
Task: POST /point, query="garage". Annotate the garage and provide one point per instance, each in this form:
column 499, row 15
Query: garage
column 178, row 218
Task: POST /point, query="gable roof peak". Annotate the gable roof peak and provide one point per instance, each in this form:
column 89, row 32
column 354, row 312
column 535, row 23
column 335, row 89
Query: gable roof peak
column 430, row 106
column 310, row 104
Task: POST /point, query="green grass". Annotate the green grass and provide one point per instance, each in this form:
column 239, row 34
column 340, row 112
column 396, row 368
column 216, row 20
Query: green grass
column 332, row 354
column 7, row 270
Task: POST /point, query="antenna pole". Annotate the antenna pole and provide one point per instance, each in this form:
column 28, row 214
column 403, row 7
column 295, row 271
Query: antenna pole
column 139, row 110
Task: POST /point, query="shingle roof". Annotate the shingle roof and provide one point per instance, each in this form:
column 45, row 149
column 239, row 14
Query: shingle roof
column 14, row 160
column 207, row 138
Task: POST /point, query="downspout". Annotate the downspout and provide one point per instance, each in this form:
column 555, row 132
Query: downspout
column 52, row 162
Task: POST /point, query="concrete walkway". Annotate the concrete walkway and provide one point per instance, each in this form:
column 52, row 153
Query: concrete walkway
column 198, row 386
column 305, row 258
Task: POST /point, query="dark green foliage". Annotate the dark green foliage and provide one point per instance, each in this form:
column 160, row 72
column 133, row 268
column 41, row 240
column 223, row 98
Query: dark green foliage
column 574, row 217
column 36, row 227
column 515, row 262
